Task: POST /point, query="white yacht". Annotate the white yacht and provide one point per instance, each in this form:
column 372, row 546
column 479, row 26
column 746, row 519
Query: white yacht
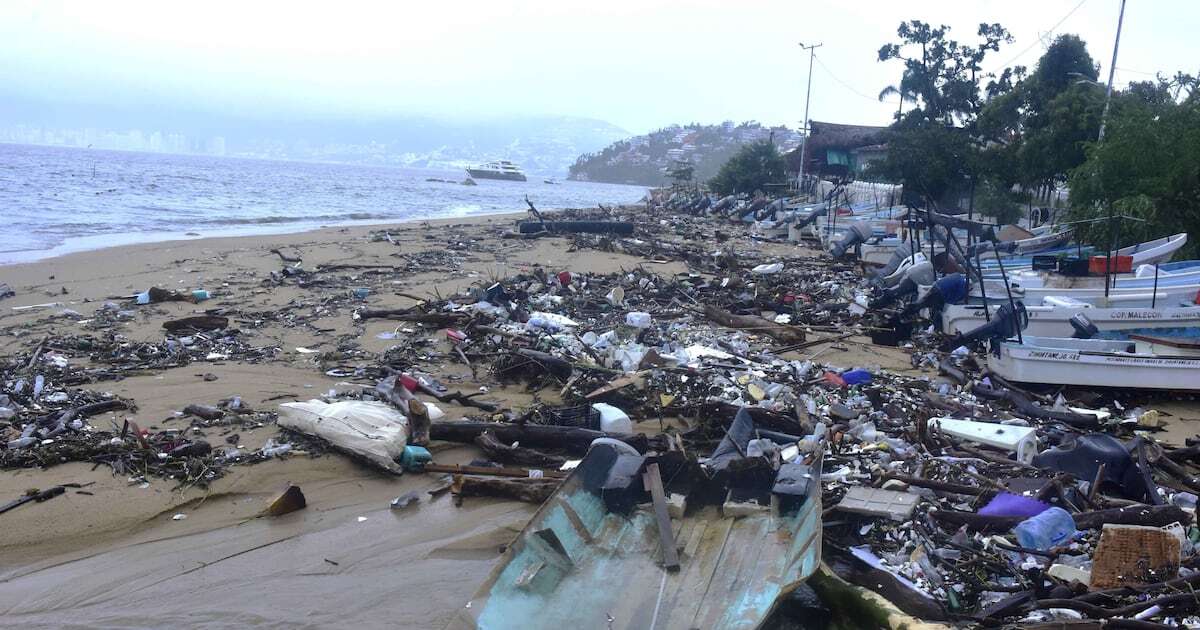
column 500, row 169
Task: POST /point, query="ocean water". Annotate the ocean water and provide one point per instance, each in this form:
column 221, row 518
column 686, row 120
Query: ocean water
column 56, row 200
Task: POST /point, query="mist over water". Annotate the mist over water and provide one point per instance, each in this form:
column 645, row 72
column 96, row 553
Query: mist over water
column 57, row 200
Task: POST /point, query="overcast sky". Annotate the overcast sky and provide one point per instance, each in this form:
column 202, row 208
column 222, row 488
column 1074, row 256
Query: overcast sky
column 639, row 64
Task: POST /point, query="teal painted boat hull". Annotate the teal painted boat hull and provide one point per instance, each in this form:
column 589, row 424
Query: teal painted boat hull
column 579, row 565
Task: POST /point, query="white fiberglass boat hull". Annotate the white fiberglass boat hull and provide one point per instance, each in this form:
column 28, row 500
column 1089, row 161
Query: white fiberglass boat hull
column 1092, row 363
column 1055, row 321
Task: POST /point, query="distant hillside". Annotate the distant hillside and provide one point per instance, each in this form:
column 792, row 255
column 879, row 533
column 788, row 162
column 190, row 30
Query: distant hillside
column 543, row 145
column 644, row 160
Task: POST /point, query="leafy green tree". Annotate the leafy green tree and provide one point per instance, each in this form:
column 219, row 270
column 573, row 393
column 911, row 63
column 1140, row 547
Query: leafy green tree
column 932, row 148
column 1035, row 127
column 753, row 167
column 1148, row 165
column 994, row 199
column 930, row 159
column 941, row 73
column 681, row 172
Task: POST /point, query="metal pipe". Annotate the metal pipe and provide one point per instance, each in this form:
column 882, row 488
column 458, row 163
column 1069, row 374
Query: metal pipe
column 1008, row 289
column 1154, row 294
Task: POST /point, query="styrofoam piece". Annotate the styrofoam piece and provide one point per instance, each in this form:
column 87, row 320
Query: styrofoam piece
column 897, row 506
column 372, row 430
column 1016, row 439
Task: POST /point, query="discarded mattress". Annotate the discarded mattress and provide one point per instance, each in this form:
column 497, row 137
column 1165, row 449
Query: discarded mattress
column 373, row 431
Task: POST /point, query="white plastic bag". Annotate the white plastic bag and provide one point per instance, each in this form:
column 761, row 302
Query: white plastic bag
column 374, row 431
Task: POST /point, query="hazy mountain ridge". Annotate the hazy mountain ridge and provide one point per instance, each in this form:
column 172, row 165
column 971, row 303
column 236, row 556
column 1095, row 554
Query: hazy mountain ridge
column 542, row 145
column 645, row 159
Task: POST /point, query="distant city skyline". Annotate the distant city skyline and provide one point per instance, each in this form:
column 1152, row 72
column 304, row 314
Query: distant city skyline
column 154, row 141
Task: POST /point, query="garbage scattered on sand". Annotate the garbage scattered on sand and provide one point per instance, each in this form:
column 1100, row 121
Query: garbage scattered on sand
column 954, row 493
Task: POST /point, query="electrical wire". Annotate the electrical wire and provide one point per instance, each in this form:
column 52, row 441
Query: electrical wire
column 843, row 83
column 1038, row 40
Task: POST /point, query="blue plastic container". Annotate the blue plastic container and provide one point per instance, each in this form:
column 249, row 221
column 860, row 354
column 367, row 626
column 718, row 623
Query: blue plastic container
column 856, row 377
column 415, row 458
column 1051, row 528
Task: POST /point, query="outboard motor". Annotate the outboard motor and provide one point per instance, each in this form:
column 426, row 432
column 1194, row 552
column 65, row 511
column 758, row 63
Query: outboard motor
column 903, row 252
column 1007, row 321
column 950, row 289
column 725, row 203
column 1084, row 328
column 812, row 216
column 770, row 210
column 917, row 275
column 857, row 233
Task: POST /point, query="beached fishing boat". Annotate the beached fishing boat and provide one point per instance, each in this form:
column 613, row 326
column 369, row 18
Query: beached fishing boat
column 1140, row 363
column 1055, row 321
column 1168, row 293
column 879, row 251
column 593, row 555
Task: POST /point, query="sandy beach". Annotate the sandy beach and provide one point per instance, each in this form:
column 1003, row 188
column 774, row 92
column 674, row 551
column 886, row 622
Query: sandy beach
column 115, row 557
column 119, row 555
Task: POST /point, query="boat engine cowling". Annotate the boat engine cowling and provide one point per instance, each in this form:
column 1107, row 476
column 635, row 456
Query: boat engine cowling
column 1084, row 328
column 812, row 216
column 857, row 233
column 916, row 276
column 903, row 252
column 950, row 289
column 1008, row 320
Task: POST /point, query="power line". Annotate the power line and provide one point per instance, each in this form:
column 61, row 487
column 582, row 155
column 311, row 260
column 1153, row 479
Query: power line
column 1038, row 40
column 843, row 83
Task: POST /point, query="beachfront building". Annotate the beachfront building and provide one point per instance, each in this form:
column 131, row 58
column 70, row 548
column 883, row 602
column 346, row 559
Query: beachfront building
column 842, row 151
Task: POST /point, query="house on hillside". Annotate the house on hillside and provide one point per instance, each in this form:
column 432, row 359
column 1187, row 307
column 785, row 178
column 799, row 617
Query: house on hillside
column 836, row 150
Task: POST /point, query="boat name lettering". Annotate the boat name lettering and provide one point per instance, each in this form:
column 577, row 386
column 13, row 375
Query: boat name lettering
column 1060, row 356
column 1136, row 315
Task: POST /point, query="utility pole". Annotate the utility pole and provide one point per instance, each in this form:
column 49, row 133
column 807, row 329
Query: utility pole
column 807, row 98
column 1112, row 69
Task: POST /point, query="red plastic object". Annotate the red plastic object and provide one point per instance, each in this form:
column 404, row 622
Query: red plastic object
column 1120, row 264
column 833, row 378
column 409, row 382
column 564, row 278
column 456, row 336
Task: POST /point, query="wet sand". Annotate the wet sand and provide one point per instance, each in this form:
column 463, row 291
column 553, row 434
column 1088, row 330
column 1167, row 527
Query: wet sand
column 116, row 558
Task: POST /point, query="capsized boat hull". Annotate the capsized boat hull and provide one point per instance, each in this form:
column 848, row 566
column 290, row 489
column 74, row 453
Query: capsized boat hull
column 1093, row 363
column 578, row 565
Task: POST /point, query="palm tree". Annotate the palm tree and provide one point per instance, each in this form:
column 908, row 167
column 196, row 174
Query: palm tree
column 904, row 93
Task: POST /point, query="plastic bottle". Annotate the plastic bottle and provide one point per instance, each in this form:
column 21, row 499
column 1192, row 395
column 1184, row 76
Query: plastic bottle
column 612, row 419
column 199, row 295
column 21, row 442
column 275, row 449
column 767, row 269
column 1050, row 528
column 638, row 319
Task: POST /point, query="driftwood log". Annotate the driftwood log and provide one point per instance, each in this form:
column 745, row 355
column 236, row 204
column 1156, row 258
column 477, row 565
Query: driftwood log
column 408, row 315
column 198, row 322
column 509, row 454
column 527, row 490
column 1152, row 515
column 779, row 332
column 573, row 439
